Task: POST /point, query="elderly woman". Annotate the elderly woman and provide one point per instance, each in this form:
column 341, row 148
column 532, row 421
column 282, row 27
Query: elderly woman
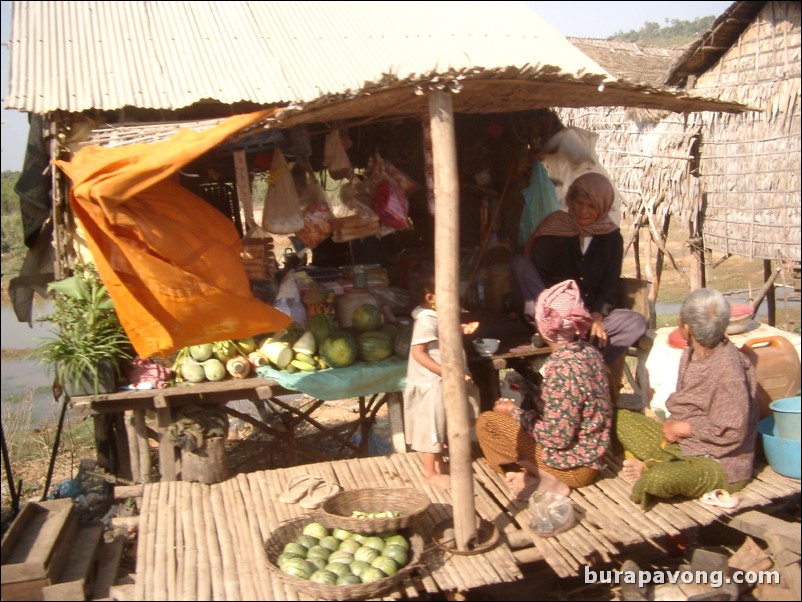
column 560, row 445
column 584, row 245
column 708, row 442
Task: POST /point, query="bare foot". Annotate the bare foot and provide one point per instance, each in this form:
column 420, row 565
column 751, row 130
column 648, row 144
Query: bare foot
column 632, row 470
column 521, row 484
column 551, row 483
column 439, row 480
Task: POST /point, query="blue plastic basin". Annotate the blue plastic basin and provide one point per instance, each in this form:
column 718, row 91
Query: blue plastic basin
column 787, row 416
column 783, row 455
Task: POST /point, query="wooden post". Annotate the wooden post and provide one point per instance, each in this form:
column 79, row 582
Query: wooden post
column 446, row 256
column 636, row 248
column 658, row 272
column 771, row 298
column 167, row 455
column 698, row 276
column 133, row 446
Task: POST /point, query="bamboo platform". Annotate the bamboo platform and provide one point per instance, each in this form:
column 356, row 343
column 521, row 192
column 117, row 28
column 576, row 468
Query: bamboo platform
column 201, row 542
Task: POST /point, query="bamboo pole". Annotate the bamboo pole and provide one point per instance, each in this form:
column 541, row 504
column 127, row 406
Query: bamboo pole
column 446, row 255
column 189, row 574
column 213, row 546
column 170, row 548
column 767, row 286
column 203, row 576
column 771, row 298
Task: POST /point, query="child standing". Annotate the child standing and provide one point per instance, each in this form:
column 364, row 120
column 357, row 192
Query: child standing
column 424, row 408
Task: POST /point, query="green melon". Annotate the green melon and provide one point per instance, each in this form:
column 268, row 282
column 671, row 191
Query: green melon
column 402, row 342
column 348, row 579
column 339, row 349
column 366, row 317
column 391, row 328
column 321, row 326
column 374, row 346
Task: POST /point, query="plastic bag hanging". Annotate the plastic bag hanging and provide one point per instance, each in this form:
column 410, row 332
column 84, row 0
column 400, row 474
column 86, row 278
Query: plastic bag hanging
column 282, row 213
column 334, row 156
column 540, row 199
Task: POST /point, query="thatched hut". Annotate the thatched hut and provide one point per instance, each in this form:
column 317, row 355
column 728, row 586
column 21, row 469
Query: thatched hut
column 77, row 67
column 733, row 181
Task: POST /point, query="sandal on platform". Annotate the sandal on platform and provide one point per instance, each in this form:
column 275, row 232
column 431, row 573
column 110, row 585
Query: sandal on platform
column 318, row 494
column 299, row 487
column 720, row 498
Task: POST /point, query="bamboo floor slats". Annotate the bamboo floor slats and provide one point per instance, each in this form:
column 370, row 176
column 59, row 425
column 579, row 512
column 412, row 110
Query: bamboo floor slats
column 200, row 542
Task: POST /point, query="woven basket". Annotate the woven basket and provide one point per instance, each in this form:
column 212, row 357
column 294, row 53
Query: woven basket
column 336, row 511
column 290, row 530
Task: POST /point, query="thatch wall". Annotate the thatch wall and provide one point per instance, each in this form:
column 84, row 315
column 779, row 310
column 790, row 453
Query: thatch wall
column 650, row 159
column 649, row 154
column 750, row 163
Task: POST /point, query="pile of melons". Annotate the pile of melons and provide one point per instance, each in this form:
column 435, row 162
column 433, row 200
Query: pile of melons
column 340, row 557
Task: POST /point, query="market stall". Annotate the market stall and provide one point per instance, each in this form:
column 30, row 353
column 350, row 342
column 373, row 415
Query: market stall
column 127, row 451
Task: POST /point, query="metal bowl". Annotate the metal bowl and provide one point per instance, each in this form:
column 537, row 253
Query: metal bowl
column 486, row 347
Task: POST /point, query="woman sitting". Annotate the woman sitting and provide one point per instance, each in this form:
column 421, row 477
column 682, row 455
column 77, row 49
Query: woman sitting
column 561, row 444
column 586, row 246
column 708, row 442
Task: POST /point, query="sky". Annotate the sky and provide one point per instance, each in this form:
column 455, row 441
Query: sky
column 577, row 19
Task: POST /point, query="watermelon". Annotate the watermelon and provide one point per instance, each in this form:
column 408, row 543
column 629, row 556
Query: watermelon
column 391, row 328
column 339, row 349
column 374, row 346
column 321, row 326
column 366, row 317
column 402, row 341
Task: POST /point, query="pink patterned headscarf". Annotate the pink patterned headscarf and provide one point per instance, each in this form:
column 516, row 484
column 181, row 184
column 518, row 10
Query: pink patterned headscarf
column 560, row 313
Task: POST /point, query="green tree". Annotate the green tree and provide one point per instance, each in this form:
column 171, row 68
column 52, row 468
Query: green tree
column 674, row 33
column 12, row 244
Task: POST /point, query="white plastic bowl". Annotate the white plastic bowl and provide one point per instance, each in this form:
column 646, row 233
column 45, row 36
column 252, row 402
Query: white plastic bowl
column 486, row 347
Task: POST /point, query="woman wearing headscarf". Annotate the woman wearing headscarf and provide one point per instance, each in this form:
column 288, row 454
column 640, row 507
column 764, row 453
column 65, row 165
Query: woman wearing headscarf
column 584, row 245
column 706, row 448
column 559, row 445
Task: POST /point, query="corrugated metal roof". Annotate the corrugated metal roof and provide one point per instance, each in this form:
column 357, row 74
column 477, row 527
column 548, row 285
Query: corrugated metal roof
column 76, row 56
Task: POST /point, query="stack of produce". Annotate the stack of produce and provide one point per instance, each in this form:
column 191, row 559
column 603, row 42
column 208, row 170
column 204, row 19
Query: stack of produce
column 214, row 361
column 340, row 557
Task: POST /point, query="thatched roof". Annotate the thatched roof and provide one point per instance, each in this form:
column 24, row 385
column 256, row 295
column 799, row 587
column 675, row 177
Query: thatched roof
column 702, row 54
column 629, row 61
column 735, row 177
column 336, row 59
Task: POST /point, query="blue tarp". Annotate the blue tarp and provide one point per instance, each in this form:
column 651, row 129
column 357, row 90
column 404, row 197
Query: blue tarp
column 358, row 380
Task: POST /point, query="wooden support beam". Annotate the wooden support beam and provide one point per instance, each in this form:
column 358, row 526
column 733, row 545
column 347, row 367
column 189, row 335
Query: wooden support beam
column 446, row 255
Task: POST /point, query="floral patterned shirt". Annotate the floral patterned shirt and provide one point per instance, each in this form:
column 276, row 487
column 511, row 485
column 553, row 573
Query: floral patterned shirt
column 573, row 423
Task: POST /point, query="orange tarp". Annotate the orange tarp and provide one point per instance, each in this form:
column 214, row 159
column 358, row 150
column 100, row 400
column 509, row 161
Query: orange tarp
column 170, row 261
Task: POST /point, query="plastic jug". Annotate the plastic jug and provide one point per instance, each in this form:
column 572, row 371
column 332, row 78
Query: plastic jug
column 348, row 302
column 777, row 368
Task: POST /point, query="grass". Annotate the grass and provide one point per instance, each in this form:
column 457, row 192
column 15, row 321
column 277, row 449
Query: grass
column 30, row 446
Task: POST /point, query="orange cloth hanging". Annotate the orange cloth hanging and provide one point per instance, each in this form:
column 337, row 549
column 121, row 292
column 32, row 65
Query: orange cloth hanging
column 170, row 261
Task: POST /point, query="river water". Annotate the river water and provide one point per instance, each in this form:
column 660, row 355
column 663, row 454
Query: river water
column 25, row 378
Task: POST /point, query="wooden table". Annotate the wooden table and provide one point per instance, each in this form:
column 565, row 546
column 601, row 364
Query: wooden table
column 515, row 351
column 121, row 433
